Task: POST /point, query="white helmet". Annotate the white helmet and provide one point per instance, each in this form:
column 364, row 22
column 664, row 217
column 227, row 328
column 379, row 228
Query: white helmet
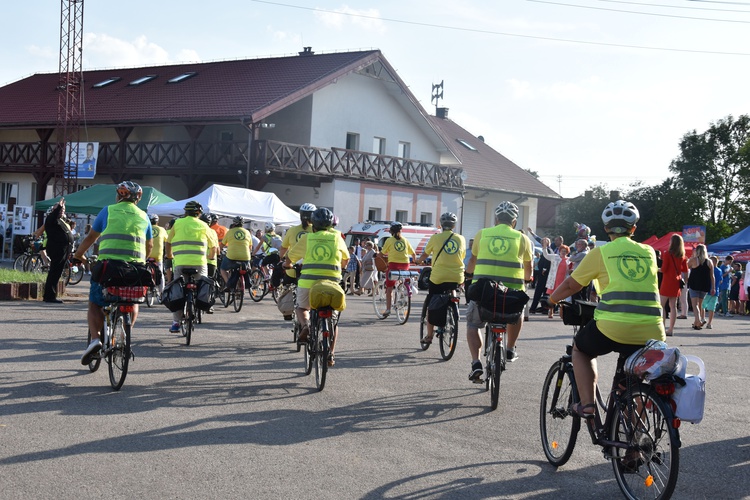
column 270, row 227
column 507, row 208
column 620, row 216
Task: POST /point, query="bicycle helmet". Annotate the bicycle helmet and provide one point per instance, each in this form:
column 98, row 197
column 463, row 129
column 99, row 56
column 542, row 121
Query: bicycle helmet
column 270, row 227
column 205, row 218
column 153, row 218
column 448, row 220
column 306, row 210
column 238, row 221
column 214, row 218
column 193, row 208
column 129, row 191
column 396, row 227
column 322, row 219
column 335, row 220
column 507, row 209
column 620, row 216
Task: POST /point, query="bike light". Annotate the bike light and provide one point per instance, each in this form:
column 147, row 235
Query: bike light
column 676, row 423
column 190, row 286
column 664, row 388
column 127, row 309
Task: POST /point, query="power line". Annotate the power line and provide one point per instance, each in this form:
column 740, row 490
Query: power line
column 639, row 13
column 500, row 33
column 716, row 1
column 675, row 6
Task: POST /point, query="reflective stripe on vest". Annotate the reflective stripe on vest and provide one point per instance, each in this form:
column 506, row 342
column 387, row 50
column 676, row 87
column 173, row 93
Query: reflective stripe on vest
column 189, row 243
column 124, row 237
column 498, row 256
column 632, row 295
column 321, row 261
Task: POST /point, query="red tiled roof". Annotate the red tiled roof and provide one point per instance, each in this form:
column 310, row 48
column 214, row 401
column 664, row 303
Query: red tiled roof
column 485, row 167
column 219, row 92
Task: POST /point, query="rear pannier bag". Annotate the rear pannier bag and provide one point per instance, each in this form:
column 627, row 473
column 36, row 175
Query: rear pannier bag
column 205, row 296
column 173, row 296
column 497, row 303
column 437, row 310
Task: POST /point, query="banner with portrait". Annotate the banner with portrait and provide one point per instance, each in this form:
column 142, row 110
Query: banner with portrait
column 694, row 234
column 22, row 220
column 84, row 155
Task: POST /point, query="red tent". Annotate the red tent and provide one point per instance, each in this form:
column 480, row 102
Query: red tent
column 662, row 244
column 650, row 240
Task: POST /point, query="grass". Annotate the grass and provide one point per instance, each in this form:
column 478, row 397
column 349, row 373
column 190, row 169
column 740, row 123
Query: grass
column 11, row 276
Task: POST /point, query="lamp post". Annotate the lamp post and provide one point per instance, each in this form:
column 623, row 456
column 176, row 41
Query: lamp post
column 251, row 137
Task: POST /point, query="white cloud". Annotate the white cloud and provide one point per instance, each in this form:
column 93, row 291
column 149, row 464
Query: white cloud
column 101, row 50
column 43, row 52
column 368, row 19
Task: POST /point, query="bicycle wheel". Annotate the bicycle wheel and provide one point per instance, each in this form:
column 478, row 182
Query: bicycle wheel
column 378, row 300
column 558, row 425
column 189, row 319
column 648, row 467
column 402, row 303
column 65, row 276
column 151, row 296
column 295, row 330
column 18, row 264
column 34, row 264
column 220, row 285
column 76, row 274
column 239, row 294
column 198, row 316
column 322, row 346
column 257, row 286
column 119, row 355
column 496, row 362
column 423, row 327
column 310, row 345
column 274, row 293
column 449, row 334
column 95, row 362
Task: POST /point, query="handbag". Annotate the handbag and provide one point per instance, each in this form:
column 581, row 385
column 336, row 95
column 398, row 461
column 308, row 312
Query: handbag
column 381, row 263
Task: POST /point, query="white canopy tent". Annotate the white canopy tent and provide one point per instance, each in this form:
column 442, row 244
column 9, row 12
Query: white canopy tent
column 232, row 201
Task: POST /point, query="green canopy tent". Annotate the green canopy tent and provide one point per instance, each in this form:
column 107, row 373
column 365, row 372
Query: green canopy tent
column 91, row 200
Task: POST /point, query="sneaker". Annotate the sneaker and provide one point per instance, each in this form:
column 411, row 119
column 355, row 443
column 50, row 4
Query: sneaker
column 510, row 355
column 386, row 313
column 709, row 327
column 476, row 372
column 303, row 334
column 175, row 328
column 93, row 348
column 728, row 315
column 210, row 310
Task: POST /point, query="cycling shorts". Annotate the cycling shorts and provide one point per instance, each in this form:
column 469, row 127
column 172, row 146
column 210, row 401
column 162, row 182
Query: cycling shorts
column 228, row 264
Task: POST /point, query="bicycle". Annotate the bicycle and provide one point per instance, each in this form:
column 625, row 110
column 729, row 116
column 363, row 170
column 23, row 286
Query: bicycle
column 258, row 284
column 401, row 297
column 639, row 433
column 323, row 322
column 448, row 334
column 190, row 313
column 31, row 259
column 495, row 358
column 234, row 294
column 116, row 334
column 153, row 296
column 72, row 272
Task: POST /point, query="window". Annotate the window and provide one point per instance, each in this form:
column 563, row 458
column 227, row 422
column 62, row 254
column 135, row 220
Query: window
column 141, row 80
column 466, row 144
column 378, row 145
column 352, row 141
column 181, row 77
column 106, row 82
column 404, row 149
column 373, row 214
column 402, row 215
column 425, row 218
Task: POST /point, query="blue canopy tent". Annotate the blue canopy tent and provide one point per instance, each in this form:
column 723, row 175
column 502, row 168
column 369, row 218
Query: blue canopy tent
column 736, row 242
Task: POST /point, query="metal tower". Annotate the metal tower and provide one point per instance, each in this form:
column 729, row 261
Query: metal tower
column 69, row 103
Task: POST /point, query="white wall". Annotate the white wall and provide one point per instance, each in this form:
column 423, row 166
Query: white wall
column 362, row 105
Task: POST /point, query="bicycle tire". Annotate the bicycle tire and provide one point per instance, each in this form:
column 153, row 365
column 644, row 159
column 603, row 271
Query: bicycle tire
column 75, row 275
column 295, row 330
column 239, row 295
column 495, row 373
column 20, row 262
column 309, row 346
column 379, row 300
column 323, row 339
column 95, row 362
column 423, row 327
column 648, row 468
column 119, row 354
column 150, row 297
column 558, row 426
column 449, row 336
column 275, row 294
column 65, row 276
column 220, row 285
column 258, row 287
column 198, row 316
column 402, row 303
column 33, row 264
column 189, row 318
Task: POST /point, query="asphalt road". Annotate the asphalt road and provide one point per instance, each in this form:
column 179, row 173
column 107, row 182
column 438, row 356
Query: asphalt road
column 233, row 415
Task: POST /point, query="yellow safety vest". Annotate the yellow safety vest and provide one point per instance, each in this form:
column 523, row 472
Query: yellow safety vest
column 124, row 238
column 498, row 256
column 632, row 295
column 189, row 241
column 321, row 260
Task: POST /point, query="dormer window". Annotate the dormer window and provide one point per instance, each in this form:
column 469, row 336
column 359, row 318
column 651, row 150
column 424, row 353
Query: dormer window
column 182, row 77
column 466, row 145
column 142, row 80
column 106, row 82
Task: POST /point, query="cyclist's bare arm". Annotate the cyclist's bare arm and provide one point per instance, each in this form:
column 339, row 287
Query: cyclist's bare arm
column 149, row 246
column 565, row 290
column 85, row 245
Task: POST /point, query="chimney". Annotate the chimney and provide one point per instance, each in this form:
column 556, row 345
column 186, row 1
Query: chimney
column 307, row 51
column 614, row 195
column 441, row 113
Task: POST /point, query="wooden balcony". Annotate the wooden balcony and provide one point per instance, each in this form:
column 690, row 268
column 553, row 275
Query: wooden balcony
column 227, row 161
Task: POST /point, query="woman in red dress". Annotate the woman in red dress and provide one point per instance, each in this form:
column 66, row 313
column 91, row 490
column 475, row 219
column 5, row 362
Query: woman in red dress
column 672, row 266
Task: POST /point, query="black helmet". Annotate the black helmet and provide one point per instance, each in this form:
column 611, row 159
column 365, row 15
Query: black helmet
column 448, row 220
column 214, row 218
column 238, row 221
column 193, row 208
column 396, row 227
column 129, row 190
column 322, row 219
column 205, row 218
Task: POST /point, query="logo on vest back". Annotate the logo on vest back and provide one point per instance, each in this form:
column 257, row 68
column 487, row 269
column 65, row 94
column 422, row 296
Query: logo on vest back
column 239, row 235
column 499, row 246
column 399, row 246
column 632, row 267
column 322, row 253
column 451, row 247
column 299, row 235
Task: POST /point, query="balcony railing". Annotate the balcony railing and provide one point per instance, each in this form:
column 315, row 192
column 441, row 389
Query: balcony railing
column 226, row 158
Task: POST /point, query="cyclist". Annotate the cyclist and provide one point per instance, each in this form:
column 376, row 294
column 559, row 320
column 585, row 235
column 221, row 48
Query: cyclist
column 124, row 233
column 324, row 253
column 448, row 250
column 270, row 245
column 500, row 253
column 238, row 241
column 188, row 247
column 213, row 243
column 213, row 223
column 168, row 274
column 398, row 250
column 629, row 311
column 157, row 252
column 291, row 237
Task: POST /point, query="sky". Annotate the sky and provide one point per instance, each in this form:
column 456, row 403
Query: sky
column 582, row 92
